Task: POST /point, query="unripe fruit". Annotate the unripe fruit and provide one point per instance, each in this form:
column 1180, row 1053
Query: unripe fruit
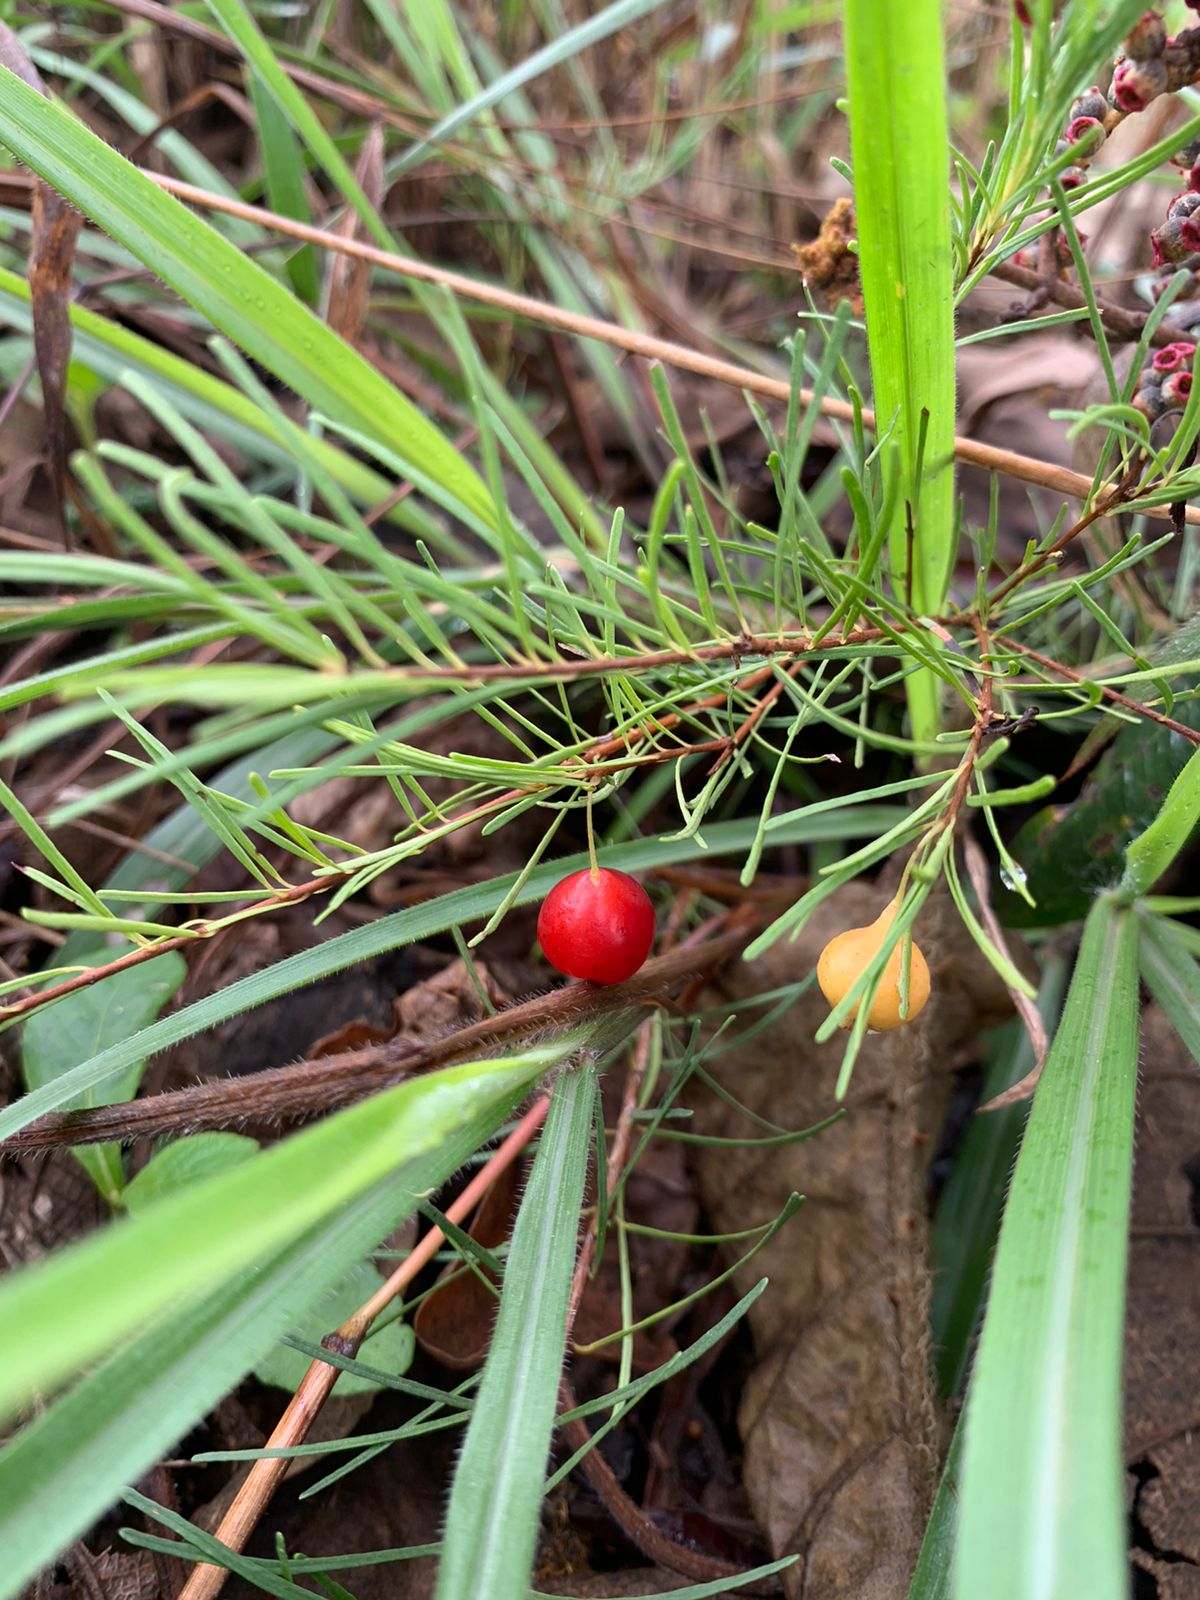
column 845, row 958
column 597, row 924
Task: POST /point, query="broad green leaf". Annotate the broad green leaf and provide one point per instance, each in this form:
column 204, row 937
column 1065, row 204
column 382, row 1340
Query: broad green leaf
column 896, row 80
column 90, row 1020
column 496, row 1502
column 177, row 1249
column 1172, row 975
column 477, row 902
column 62, row 1471
column 182, row 1162
column 229, row 288
column 389, row 1351
column 1041, row 1514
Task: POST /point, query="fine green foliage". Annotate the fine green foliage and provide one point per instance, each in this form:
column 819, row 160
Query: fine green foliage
column 899, row 145
column 764, row 655
column 1040, row 1511
column 491, row 1525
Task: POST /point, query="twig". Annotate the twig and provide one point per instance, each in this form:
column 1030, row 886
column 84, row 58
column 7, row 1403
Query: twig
column 1136, row 706
column 1109, row 506
column 625, row 1511
column 983, row 721
column 254, row 1495
column 283, row 1094
column 1008, row 462
column 977, row 871
column 1127, row 325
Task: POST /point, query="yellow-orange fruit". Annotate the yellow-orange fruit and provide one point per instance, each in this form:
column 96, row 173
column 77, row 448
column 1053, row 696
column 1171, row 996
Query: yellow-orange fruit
column 844, row 959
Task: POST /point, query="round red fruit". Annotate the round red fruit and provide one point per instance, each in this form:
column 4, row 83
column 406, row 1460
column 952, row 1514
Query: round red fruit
column 597, row 925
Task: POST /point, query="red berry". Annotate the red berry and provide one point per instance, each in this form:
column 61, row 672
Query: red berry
column 597, row 926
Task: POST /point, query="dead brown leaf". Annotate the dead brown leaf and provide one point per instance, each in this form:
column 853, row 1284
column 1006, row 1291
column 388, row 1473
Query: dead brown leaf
column 842, row 1440
column 54, row 230
column 350, row 278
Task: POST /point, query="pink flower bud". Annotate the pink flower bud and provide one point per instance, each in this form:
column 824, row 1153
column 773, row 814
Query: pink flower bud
column 1087, row 132
column 1176, row 389
column 1136, row 83
column 1173, row 357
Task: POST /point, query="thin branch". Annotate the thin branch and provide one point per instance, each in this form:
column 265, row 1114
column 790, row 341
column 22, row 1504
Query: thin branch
column 1125, row 324
column 254, row 1495
column 1047, row 475
column 1136, row 706
column 1109, row 506
column 980, row 876
column 288, row 1094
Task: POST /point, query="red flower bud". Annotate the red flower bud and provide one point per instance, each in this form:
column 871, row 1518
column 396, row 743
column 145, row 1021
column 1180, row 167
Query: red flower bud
column 1173, row 357
column 1136, row 83
column 1149, row 401
column 1167, row 242
column 1176, row 389
column 1087, row 132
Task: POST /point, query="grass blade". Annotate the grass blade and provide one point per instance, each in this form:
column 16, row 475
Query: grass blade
column 552, row 54
column 1153, row 851
column 61, row 1472
column 474, row 903
column 495, row 1504
column 931, row 1579
column 1041, row 1513
column 1172, row 975
column 969, row 1211
column 183, row 1246
column 901, row 156
column 232, row 291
